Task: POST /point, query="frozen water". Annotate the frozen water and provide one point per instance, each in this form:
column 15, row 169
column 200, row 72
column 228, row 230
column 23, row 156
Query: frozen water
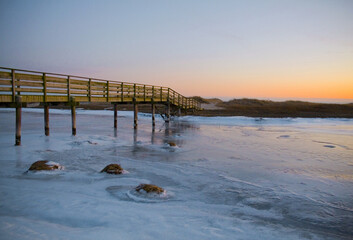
column 229, row 178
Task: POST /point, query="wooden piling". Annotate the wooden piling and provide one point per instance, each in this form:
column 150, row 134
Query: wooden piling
column 50, row 87
column 167, row 119
column 73, row 115
column 135, row 114
column 73, row 119
column 18, row 120
column 115, row 115
column 153, row 113
column 46, row 119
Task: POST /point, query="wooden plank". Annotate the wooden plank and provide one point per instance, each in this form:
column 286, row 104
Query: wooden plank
column 113, row 89
column 29, row 84
column 57, row 98
column 5, row 89
column 32, row 98
column 98, row 99
column 81, row 99
column 94, row 83
column 57, row 91
column 79, row 82
column 83, row 92
column 97, row 92
column 6, row 75
column 31, row 77
column 5, row 98
column 113, row 95
column 56, row 85
column 114, row 84
column 29, row 90
column 72, row 86
column 5, row 82
column 98, row 88
column 56, row 79
column 115, row 99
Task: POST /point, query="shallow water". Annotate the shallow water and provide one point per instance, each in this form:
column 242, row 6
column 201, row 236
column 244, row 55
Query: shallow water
column 229, row 178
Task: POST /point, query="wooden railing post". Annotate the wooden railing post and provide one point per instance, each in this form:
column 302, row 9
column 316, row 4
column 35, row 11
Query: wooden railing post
column 45, row 87
column 68, row 88
column 13, row 81
column 107, row 91
column 135, row 91
column 122, row 92
column 152, row 93
column 90, row 90
column 144, row 93
column 161, row 94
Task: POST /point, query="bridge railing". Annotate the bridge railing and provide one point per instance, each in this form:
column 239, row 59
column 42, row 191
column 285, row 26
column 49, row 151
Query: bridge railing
column 35, row 86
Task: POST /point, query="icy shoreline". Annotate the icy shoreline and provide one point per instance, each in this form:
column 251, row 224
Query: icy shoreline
column 229, row 178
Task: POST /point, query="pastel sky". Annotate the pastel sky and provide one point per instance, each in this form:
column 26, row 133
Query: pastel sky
column 253, row 48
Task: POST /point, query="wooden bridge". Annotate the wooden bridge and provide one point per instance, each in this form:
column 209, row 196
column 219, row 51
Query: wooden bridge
column 19, row 87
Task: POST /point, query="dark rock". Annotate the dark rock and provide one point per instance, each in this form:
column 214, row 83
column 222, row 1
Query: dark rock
column 44, row 165
column 113, row 169
column 172, row 144
column 149, row 188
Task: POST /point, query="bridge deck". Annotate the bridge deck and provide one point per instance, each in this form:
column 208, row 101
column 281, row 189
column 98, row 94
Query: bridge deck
column 44, row 87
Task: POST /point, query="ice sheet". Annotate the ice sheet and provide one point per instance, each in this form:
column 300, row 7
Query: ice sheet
column 229, row 178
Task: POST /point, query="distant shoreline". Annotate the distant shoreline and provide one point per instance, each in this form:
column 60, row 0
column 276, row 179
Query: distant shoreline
column 243, row 107
column 310, row 100
column 266, row 108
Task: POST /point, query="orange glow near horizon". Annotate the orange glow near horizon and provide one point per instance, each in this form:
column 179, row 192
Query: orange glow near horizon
column 330, row 87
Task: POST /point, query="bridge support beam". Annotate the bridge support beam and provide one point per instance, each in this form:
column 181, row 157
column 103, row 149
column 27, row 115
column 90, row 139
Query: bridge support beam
column 73, row 115
column 167, row 112
column 153, row 117
column 115, row 115
column 73, row 119
column 18, row 120
column 135, row 114
column 179, row 112
column 46, row 119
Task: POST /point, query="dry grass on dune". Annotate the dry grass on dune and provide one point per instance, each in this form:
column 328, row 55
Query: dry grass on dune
column 267, row 108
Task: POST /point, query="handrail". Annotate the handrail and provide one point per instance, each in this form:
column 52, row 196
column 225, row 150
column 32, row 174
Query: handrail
column 35, row 86
column 69, row 75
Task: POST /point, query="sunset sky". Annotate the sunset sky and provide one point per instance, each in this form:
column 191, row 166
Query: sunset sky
column 254, row 49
